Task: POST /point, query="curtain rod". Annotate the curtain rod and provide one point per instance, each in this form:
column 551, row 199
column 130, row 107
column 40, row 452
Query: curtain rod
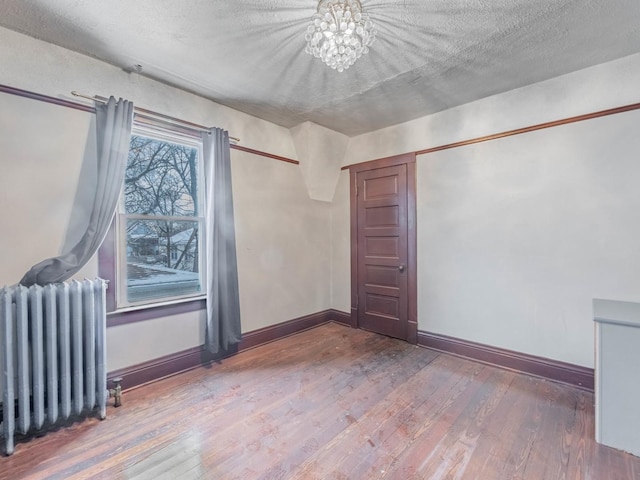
column 86, row 108
column 154, row 114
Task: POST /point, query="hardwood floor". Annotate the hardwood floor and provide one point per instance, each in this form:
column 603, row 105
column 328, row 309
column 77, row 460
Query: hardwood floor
column 334, row 403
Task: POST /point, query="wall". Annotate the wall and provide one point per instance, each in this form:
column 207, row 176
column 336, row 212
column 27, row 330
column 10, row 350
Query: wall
column 544, row 210
column 341, row 246
column 597, row 88
column 32, row 177
column 283, row 236
column 517, row 236
column 320, row 152
column 283, row 242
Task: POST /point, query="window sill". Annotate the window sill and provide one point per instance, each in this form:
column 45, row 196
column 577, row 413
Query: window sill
column 134, row 308
column 141, row 313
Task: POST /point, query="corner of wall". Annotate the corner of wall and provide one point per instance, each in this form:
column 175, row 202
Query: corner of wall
column 320, row 152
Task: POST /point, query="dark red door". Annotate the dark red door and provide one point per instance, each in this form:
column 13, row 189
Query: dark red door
column 381, row 202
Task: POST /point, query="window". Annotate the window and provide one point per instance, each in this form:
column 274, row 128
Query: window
column 160, row 225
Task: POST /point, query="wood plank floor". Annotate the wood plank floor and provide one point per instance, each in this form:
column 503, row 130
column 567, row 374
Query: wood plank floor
column 334, row 403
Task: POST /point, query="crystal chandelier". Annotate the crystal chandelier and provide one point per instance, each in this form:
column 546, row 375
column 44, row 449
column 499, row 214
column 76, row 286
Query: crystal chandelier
column 339, row 33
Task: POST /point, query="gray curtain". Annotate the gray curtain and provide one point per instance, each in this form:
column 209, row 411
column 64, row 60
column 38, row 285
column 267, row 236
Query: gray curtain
column 113, row 132
column 223, row 300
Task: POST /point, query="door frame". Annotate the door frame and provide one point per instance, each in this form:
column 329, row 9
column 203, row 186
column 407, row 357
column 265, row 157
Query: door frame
column 412, row 287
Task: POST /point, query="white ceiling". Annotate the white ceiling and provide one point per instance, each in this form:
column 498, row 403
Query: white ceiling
column 429, row 55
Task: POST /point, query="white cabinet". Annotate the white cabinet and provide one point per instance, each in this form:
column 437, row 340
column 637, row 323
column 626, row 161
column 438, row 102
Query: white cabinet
column 617, row 374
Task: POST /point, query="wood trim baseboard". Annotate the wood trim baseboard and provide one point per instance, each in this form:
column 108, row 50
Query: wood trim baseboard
column 158, row 368
column 342, row 318
column 172, row 364
column 275, row 332
column 567, row 373
column 175, row 363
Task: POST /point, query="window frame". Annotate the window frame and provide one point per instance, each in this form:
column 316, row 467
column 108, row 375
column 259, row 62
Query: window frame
column 112, row 255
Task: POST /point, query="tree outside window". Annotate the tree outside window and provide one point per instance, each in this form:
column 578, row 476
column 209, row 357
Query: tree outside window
column 160, row 221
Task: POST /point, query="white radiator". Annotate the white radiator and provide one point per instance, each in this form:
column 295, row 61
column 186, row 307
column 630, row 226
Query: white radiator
column 53, row 350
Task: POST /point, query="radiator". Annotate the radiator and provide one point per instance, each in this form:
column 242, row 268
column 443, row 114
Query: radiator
column 53, row 355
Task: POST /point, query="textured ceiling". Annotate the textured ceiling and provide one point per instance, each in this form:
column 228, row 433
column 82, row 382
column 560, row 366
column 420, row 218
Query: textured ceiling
column 429, row 55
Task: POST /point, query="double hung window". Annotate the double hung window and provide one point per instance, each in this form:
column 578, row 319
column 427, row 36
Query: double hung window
column 160, row 228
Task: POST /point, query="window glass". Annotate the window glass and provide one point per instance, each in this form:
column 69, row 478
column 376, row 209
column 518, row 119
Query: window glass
column 161, row 178
column 160, row 229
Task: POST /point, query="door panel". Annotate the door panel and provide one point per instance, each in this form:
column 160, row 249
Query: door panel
column 385, row 306
column 382, row 216
column 381, row 205
column 382, row 247
column 382, row 187
column 386, row 276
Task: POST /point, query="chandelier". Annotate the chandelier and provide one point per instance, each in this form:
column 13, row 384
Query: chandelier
column 339, row 33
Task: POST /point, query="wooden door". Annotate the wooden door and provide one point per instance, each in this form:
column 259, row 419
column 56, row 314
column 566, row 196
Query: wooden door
column 382, row 250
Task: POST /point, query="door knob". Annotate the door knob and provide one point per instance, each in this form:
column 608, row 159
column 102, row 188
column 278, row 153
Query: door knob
column 401, row 268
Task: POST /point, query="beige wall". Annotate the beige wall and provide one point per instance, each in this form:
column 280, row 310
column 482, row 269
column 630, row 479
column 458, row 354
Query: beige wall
column 34, row 136
column 283, row 242
column 320, row 152
column 517, row 236
column 341, row 246
column 283, row 237
column 597, row 88
column 546, row 216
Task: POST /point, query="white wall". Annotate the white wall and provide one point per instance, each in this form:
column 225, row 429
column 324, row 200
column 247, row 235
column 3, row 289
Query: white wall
column 320, row 152
column 283, row 241
column 341, row 246
column 283, row 237
column 597, row 88
column 34, row 136
column 517, row 236
column 473, row 207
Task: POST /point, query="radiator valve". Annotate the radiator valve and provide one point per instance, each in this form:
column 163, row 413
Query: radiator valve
column 116, row 392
